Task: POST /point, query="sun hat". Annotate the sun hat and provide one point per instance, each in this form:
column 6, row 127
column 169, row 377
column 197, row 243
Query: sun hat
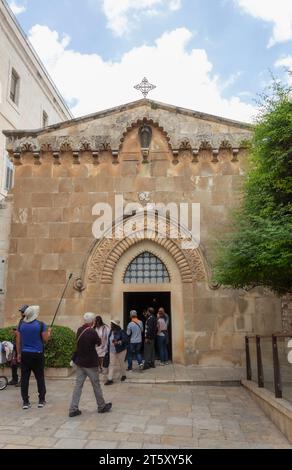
column 23, row 308
column 31, row 314
column 89, row 318
column 116, row 322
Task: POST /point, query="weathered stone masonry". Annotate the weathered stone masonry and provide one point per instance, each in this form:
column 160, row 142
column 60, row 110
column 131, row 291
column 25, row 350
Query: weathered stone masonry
column 63, row 171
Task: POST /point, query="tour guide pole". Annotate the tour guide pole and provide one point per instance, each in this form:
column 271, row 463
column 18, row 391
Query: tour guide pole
column 70, row 277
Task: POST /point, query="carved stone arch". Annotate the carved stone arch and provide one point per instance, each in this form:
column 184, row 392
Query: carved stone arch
column 149, row 122
column 107, row 252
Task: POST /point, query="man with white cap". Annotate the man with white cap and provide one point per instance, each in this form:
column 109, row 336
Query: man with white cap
column 30, row 339
column 86, row 360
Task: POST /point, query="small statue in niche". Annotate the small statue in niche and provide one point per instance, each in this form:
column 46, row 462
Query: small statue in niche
column 145, row 134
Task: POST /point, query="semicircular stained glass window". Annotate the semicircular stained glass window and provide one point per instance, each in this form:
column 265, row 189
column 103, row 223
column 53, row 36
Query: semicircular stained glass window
column 146, row 269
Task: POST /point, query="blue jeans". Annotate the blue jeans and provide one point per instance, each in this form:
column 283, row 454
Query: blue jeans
column 162, row 346
column 134, row 348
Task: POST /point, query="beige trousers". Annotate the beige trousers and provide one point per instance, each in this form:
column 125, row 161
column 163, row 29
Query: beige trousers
column 117, row 360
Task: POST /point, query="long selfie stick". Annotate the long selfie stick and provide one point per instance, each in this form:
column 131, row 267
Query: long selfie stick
column 70, row 277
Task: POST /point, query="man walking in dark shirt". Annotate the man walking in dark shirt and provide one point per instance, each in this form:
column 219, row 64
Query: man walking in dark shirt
column 86, row 360
column 150, row 334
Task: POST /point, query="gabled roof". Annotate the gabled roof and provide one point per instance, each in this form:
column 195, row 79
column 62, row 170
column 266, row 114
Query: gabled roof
column 127, row 107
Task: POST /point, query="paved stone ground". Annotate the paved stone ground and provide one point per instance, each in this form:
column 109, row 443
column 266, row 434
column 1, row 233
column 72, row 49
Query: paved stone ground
column 144, row 416
column 186, row 374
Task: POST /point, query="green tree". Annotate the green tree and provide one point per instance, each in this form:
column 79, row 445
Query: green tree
column 257, row 250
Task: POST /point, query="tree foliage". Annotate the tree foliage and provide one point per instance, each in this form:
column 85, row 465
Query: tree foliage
column 258, row 248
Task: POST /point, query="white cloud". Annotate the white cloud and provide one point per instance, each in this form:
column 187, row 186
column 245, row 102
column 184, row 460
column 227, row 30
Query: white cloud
column 16, row 8
column 286, row 63
column 122, row 15
column 183, row 78
column 278, row 12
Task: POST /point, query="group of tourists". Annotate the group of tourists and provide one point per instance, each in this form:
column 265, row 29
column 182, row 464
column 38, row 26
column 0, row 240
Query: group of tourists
column 99, row 349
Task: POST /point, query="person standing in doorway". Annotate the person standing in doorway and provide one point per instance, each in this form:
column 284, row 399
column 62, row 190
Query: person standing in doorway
column 86, row 360
column 165, row 315
column 150, row 334
column 134, row 331
column 31, row 336
column 118, row 344
column 162, row 335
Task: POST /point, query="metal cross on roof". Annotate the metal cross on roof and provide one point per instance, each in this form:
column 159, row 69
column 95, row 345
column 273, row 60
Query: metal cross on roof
column 145, row 87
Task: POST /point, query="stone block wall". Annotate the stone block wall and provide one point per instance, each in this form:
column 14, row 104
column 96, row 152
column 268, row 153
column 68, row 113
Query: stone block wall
column 51, row 236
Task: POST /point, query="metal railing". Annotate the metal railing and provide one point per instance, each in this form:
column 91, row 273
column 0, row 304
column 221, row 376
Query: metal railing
column 273, row 362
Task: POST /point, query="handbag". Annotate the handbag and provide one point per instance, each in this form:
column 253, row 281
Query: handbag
column 74, row 355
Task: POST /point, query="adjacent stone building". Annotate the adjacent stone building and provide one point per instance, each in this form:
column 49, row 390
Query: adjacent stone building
column 150, row 153
column 28, row 100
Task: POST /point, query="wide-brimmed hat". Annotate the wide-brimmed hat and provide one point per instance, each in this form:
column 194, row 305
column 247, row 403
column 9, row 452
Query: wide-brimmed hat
column 31, row 313
column 23, row 308
column 116, row 322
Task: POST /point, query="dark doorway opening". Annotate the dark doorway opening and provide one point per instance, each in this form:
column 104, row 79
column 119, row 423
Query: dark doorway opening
column 140, row 301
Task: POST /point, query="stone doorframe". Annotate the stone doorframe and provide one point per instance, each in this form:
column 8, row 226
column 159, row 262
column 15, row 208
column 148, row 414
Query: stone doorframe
column 174, row 286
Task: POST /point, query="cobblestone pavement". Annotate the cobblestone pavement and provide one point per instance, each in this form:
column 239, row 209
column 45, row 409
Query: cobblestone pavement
column 144, row 416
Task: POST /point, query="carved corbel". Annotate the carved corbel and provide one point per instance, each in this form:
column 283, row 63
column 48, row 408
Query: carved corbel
column 46, row 148
column 145, row 155
column 215, row 156
column 76, row 157
column 115, row 154
column 175, row 160
column 95, row 156
column 235, row 155
column 195, row 156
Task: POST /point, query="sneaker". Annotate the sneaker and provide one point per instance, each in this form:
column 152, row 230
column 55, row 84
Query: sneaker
column 129, row 370
column 18, row 385
column 123, row 378
column 12, row 382
column 72, row 414
column 166, row 363
column 41, row 404
column 152, row 365
column 109, row 382
column 141, row 366
column 26, row 405
column 161, row 364
column 106, row 408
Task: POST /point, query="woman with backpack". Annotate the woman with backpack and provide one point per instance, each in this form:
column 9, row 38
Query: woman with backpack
column 117, row 347
column 31, row 336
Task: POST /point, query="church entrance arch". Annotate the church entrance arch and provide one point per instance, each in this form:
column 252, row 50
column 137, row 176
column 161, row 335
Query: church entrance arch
column 137, row 286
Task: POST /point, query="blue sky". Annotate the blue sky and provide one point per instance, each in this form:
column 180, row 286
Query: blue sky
column 208, row 55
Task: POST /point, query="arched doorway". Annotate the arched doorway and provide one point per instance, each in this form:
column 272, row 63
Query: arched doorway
column 147, row 275
column 149, row 270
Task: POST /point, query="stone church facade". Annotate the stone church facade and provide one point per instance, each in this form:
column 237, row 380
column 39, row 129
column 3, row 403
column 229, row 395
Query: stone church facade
column 63, row 171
